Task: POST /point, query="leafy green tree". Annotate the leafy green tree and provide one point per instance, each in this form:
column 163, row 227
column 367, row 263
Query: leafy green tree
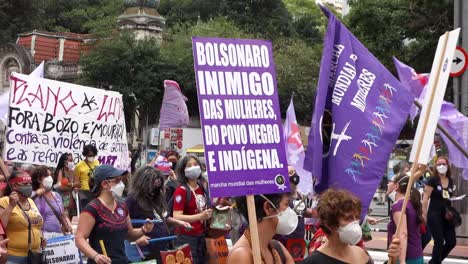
column 266, row 18
column 78, row 16
column 133, row 68
column 297, row 68
column 177, row 52
column 17, row 16
column 407, row 29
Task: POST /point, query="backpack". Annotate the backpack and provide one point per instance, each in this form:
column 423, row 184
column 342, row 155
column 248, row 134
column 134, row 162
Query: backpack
column 170, row 204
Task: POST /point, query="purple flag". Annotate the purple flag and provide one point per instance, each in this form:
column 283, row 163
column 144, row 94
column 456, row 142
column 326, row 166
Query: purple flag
column 359, row 111
column 413, row 81
column 174, row 113
column 450, row 118
column 457, row 126
column 295, row 150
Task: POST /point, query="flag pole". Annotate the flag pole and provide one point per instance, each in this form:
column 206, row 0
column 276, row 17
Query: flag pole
column 424, row 124
column 446, row 133
column 255, row 240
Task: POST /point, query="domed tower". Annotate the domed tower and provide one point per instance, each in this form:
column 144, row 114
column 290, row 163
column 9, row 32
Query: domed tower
column 142, row 17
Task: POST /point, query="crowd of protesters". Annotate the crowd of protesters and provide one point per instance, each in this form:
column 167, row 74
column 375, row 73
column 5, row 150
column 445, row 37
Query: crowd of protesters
column 171, row 194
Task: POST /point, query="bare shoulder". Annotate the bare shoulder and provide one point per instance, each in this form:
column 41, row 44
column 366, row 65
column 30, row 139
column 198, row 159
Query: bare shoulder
column 240, row 254
column 361, row 254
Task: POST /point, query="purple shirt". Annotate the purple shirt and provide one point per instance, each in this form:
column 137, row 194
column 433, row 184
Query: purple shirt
column 414, row 248
column 51, row 223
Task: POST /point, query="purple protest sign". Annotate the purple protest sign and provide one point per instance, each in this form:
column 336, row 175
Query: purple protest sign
column 240, row 116
column 359, row 111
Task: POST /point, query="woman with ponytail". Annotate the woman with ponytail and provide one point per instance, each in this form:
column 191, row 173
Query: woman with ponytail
column 410, row 235
column 439, row 188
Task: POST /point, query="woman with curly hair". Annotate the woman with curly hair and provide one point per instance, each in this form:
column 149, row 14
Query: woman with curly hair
column 339, row 212
column 146, row 199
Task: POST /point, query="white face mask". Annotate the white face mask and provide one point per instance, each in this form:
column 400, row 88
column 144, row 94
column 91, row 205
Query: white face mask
column 70, row 165
column 118, row 189
column 350, row 233
column 193, row 172
column 48, row 182
column 205, row 175
column 392, row 195
column 90, row 159
column 287, row 221
column 442, row 169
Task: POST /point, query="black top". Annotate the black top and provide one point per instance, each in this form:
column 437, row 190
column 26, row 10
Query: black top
column 153, row 250
column 111, row 227
column 318, row 257
column 439, row 195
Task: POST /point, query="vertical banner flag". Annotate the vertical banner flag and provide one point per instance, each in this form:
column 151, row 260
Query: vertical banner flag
column 413, row 81
column 174, row 113
column 49, row 118
column 239, row 112
column 295, row 150
column 432, row 104
column 360, row 109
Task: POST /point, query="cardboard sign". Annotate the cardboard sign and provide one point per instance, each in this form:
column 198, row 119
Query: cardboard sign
column 62, row 250
column 240, row 116
column 49, row 118
column 217, row 250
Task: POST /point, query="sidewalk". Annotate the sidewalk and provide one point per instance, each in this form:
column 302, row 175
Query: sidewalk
column 379, row 242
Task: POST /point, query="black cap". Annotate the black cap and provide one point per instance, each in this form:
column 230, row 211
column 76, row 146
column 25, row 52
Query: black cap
column 105, row 172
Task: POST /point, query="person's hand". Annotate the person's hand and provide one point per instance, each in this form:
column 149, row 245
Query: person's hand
column 43, row 242
column 421, row 170
column 394, row 249
column 172, row 175
column 13, row 199
column 3, row 246
column 142, row 241
column 40, row 191
column 371, row 220
column 205, row 215
column 148, row 226
column 186, row 225
column 101, row 259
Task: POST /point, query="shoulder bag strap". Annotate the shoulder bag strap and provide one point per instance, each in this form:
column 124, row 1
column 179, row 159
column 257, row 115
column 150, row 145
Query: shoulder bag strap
column 277, row 247
column 29, row 225
column 89, row 167
column 53, row 210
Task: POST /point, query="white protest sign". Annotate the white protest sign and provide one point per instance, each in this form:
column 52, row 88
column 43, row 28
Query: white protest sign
column 430, row 112
column 62, row 250
column 47, row 118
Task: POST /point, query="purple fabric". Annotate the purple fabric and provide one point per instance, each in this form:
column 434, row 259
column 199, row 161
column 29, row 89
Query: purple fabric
column 450, row 118
column 51, row 223
column 416, row 83
column 368, row 108
column 457, row 126
column 174, row 113
column 295, row 150
column 414, row 249
column 240, row 116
